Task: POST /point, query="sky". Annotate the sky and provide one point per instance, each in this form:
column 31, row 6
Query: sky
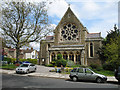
column 95, row 15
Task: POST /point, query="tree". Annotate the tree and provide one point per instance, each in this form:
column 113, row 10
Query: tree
column 110, row 51
column 3, row 43
column 60, row 61
column 24, row 22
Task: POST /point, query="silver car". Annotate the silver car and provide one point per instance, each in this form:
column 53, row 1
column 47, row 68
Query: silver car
column 86, row 74
column 26, row 68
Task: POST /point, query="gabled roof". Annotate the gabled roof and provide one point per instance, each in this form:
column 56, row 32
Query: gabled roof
column 66, row 13
column 28, row 51
column 49, row 37
column 12, row 49
column 94, row 35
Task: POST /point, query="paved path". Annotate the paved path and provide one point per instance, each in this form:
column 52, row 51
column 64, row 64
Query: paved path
column 43, row 71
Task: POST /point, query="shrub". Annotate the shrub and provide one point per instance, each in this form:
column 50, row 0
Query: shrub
column 7, row 59
column 70, row 63
column 53, row 63
column 94, row 66
column 50, row 65
column 66, row 70
column 13, row 60
column 61, row 62
column 34, row 61
column 99, row 69
column 59, row 56
column 108, row 66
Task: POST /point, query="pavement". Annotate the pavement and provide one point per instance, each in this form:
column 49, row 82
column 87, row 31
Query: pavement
column 43, row 71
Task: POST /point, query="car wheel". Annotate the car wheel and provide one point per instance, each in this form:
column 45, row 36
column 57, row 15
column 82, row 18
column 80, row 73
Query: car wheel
column 27, row 71
column 75, row 79
column 99, row 80
column 35, row 70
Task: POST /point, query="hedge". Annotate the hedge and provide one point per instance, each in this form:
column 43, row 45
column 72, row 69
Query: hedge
column 12, row 60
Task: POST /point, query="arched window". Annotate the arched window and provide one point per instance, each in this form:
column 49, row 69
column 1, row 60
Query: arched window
column 53, row 56
column 65, row 56
column 78, row 61
column 71, row 56
column 91, row 49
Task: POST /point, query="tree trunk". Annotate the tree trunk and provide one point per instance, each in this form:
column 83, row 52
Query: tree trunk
column 17, row 54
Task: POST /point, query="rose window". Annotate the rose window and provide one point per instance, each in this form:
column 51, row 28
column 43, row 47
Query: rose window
column 69, row 32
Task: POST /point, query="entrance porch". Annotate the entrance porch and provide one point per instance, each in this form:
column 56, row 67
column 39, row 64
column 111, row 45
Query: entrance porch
column 76, row 53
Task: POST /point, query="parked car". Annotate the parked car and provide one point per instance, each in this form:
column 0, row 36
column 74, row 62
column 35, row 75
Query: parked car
column 86, row 74
column 117, row 74
column 26, row 68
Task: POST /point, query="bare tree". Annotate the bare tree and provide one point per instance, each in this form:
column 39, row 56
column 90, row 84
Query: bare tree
column 24, row 22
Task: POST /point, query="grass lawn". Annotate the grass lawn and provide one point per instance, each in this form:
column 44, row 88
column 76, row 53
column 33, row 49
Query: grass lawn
column 105, row 72
column 11, row 66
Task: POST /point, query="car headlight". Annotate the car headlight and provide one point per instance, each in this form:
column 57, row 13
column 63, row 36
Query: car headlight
column 103, row 76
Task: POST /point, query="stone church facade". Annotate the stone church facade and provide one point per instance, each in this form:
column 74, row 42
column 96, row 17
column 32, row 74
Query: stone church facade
column 73, row 41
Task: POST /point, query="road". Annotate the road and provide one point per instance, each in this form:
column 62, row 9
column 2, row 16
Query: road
column 12, row 81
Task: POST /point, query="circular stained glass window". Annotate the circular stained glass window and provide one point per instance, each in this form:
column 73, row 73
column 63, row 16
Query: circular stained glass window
column 69, row 32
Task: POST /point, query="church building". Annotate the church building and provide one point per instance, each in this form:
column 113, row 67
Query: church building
column 72, row 40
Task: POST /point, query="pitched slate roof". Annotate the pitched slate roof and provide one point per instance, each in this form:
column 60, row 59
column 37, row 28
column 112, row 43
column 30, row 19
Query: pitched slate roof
column 94, row 35
column 67, row 46
column 49, row 37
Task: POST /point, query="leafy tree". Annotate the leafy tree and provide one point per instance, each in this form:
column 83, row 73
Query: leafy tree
column 60, row 61
column 59, row 56
column 24, row 22
column 110, row 51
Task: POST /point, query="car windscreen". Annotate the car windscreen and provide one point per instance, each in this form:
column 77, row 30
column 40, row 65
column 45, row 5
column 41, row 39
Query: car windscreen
column 24, row 65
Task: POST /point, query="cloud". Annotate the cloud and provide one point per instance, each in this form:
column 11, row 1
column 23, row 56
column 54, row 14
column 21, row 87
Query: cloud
column 91, row 7
column 57, row 8
column 35, row 45
column 52, row 27
column 97, row 16
column 92, row 0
